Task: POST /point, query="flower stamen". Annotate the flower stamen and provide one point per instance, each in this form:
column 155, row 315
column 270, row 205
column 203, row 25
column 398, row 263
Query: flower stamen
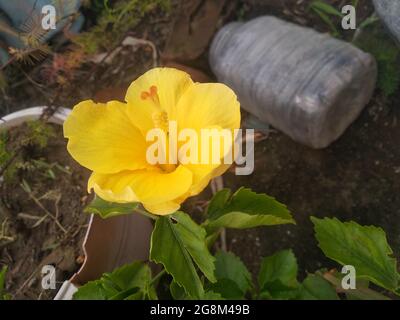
column 160, row 120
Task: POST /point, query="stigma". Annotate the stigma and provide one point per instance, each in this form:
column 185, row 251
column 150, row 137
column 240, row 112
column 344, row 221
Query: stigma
column 151, row 94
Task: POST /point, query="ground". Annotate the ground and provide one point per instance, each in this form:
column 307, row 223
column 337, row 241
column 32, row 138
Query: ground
column 356, row 178
column 42, row 217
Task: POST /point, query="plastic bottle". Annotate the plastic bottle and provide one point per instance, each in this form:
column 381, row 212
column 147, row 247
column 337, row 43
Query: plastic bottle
column 307, row 84
column 389, row 12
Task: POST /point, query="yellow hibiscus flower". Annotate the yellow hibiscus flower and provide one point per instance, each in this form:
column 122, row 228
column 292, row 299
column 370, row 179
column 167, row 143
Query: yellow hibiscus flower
column 110, row 139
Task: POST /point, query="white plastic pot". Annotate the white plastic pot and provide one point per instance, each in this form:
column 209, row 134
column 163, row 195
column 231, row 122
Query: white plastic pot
column 109, row 243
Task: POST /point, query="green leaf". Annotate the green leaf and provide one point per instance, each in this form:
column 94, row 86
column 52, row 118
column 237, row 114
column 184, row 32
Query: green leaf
column 325, row 8
column 228, row 289
column 325, row 11
column 178, row 293
column 362, row 291
column 93, row 290
column 217, row 203
column 167, row 248
column 175, row 241
column 129, row 276
column 193, row 237
column 127, row 282
column 364, row 247
column 245, row 209
column 211, row 295
column 129, row 294
column 278, row 276
column 2, row 278
column 229, row 266
column 315, row 287
column 369, row 21
column 3, row 295
column 109, row 209
column 234, row 280
column 324, row 17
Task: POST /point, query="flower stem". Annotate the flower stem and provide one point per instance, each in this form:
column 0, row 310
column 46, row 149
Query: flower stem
column 157, row 277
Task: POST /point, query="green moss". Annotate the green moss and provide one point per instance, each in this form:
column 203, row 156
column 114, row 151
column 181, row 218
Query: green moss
column 114, row 22
column 5, row 155
column 36, row 136
column 387, row 55
column 39, row 134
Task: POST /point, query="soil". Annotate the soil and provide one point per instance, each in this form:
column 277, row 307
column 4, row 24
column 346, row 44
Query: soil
column 43, row 224
column 356, row 178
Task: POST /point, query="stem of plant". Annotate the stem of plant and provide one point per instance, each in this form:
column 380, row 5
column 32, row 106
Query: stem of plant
column 361, row 293
column 157, row 277
column 217, row 184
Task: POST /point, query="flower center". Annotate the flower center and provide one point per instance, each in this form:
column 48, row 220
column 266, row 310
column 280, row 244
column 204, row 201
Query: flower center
column 160, row 120
column 159, row 117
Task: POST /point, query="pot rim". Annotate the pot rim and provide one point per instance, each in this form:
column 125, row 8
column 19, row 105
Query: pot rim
column 18, row 117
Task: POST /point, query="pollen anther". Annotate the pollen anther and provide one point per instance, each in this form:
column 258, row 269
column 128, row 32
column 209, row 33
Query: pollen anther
column 160, row 120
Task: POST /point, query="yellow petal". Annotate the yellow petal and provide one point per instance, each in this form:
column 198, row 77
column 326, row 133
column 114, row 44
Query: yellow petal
column 205, row 105
column 202, row 174
column 113, row 187
column 158, row 191
column 163, row 208
column 155, row 187
column 171, row 85
column 103, row 139
column 208, row 106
